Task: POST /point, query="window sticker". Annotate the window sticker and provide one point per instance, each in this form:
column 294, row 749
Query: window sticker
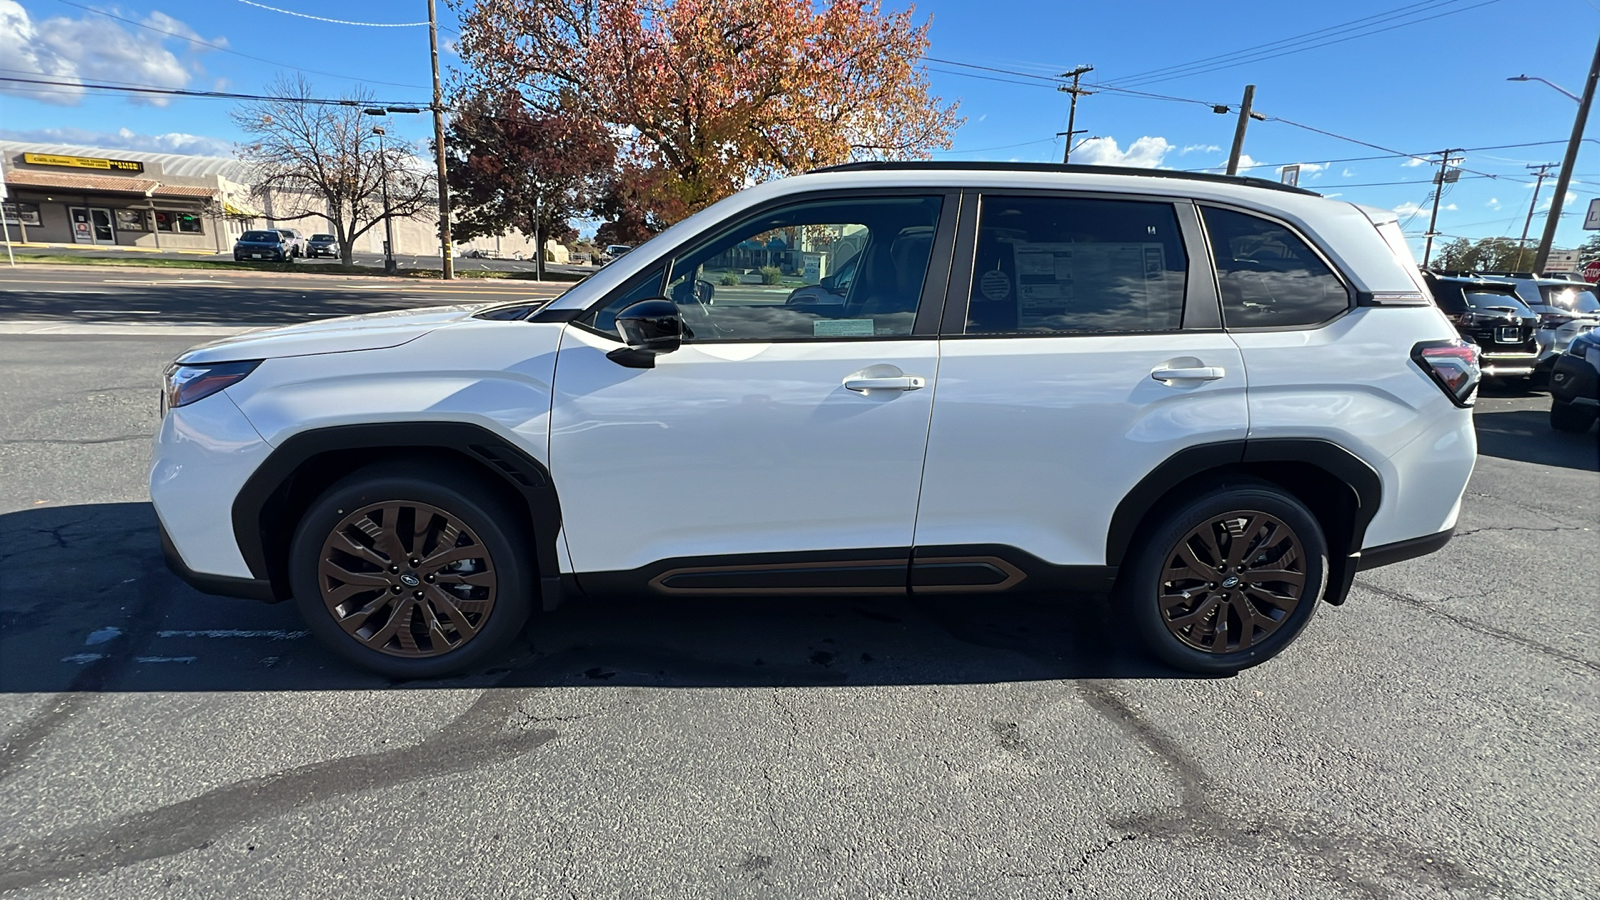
column 842, row 328
column 995, row 284
column 1055, row 280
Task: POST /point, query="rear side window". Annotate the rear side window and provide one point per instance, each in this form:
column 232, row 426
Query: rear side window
column 1269, row 278
column 1073, row 265
column 1483, row 300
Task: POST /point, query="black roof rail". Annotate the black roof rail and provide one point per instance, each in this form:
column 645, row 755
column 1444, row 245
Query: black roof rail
column 1066, row 168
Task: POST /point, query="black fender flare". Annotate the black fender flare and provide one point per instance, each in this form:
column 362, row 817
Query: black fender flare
column 1351, row 470
column 261, row 498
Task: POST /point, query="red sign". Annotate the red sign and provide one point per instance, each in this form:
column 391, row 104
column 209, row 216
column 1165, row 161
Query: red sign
column 1591, row 272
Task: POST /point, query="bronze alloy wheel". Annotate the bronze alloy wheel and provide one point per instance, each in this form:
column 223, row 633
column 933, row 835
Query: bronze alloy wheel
column 1232, row 581
column 407, row 579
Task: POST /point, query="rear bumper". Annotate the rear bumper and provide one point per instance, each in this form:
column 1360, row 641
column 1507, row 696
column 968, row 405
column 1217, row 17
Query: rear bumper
column 1400, row 551
column 1504, row 364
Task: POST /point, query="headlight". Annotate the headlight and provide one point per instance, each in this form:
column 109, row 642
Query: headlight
column 186, row 384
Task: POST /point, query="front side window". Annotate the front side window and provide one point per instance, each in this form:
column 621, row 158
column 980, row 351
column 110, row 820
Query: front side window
column 1270, row 278
column 1074, row 265
column 1572, row 299
column 816, row 270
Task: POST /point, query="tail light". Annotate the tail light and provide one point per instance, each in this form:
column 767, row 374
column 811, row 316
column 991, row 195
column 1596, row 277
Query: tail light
column 1454, row 367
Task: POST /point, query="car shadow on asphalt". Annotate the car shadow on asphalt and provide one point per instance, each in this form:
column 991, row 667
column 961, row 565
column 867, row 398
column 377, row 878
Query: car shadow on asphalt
column 1525, row 435
column 86, row 604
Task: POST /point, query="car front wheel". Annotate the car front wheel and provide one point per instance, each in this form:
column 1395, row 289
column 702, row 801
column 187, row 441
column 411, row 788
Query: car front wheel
column 1227, row 579
column 411, row 577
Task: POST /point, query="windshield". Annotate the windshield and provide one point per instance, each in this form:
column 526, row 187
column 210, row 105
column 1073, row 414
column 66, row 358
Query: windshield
column 259, row 237
column 322, row 237
column 1572, row 298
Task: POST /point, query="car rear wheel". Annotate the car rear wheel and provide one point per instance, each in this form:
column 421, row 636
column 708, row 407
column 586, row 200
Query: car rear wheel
column 411, row 577
column 1227, row 579
column 1571, row 417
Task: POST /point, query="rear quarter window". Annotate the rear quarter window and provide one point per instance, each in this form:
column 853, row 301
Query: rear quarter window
column 1268, row 276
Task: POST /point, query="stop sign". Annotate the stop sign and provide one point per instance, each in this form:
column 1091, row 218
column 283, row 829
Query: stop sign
column 1591, row 272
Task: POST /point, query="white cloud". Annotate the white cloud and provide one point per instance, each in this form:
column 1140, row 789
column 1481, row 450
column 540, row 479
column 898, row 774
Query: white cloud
column 1544, row 206
column 1247, row 162
column 1414, row 161
column 92, row 48
column 1145, row 153
column 1311, row 171
column 1494, row 203
column 124, row 139
column 1346, row 173
column 1411, row 209
column 1199, row 148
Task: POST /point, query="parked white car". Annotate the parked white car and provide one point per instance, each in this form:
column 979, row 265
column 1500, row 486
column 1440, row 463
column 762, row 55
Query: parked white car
column 1215, row 398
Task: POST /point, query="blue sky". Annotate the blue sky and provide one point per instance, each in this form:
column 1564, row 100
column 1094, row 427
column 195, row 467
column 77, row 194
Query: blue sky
column 1439, row 81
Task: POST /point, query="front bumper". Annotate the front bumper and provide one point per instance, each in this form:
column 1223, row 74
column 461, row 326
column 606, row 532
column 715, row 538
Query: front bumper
column 202, row 455
column 1574, row 380
column 221, row 585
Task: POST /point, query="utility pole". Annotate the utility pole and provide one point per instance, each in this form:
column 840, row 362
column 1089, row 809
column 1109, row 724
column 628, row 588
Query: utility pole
column 1238, row 130
column 1542, row 256
column 1543, row 173
column 388, row 220
column 1072, row 112
column 449, row 269
column 1439, row 181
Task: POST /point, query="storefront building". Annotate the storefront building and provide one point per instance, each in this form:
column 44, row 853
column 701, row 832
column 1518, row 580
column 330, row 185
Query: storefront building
column 59, row 194
column 107, row 200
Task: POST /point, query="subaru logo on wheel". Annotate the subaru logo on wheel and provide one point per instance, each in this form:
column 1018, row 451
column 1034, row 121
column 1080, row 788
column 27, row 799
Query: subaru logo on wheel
column 410, row 580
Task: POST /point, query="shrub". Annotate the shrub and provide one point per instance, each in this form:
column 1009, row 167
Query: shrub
column 729, row 279
column 770, row 274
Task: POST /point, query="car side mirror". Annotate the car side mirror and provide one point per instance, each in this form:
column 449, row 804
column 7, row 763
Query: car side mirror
column 650, row 328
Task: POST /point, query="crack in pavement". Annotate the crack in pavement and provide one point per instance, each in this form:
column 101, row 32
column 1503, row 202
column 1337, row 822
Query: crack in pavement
column 1198, row 817
column 1472, row 531
column 78, row 442
column 1481, row 628
column 473, row 740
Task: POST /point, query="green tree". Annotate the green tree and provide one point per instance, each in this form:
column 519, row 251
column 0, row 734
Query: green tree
column 1496, row 254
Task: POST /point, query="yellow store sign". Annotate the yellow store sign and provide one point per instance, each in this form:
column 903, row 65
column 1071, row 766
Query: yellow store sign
column 83, row 162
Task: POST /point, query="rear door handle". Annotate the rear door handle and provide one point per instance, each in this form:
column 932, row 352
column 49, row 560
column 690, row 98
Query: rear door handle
column 896, row 383
column 1194, row 373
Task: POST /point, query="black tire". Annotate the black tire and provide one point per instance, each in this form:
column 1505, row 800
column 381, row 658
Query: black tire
column 1145, row 574
column 488, row 521
column 1570, row 417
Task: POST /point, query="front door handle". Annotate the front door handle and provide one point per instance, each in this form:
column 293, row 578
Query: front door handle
column 895, row 383
column 1190, row 373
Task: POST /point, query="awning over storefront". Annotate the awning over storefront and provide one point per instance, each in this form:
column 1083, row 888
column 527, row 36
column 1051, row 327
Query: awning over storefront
column 239, row 211
column 105, row 184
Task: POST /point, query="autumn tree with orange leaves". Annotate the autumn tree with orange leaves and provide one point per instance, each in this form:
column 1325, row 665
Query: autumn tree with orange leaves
column 709, row 96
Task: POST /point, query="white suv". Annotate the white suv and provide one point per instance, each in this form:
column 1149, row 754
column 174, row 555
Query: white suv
column 1215, row 398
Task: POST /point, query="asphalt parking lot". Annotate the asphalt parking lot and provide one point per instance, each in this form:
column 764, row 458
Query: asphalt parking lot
column 1434, row 737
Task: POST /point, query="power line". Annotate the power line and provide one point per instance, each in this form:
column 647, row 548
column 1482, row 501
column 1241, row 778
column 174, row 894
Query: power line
column 1313, row 46
column 290, row 12
column 222, row 49
column 1394, row 13
column 212, row 95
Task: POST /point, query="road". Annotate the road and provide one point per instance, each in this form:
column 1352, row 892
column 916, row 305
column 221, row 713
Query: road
column 405, row 260
column 1432, row 738
column 77, row 294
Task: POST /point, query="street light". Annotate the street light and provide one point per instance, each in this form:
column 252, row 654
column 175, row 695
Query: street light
column 1570, row 95
column 388, row 223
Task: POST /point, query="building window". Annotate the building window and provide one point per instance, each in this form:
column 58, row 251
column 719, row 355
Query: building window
column 130, row 220
column 22, row 213
column 180, row 222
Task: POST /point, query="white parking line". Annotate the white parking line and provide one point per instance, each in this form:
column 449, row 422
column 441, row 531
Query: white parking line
column 184, row 660
column 117, row 328
column 235, row 633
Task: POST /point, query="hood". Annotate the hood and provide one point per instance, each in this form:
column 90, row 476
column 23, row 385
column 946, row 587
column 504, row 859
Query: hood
column 373, row 331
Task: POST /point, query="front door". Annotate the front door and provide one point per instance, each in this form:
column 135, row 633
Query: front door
column 780, row 448
column 92, row 225
column 1088, row 354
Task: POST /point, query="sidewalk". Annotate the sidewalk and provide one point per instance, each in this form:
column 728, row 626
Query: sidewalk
column 110, row 248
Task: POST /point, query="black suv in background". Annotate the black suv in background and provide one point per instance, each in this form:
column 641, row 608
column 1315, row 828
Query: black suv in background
column 267, row 245
column 1489, row 314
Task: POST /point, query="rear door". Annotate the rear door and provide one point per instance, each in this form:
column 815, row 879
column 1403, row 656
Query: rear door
column 1081, row 348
